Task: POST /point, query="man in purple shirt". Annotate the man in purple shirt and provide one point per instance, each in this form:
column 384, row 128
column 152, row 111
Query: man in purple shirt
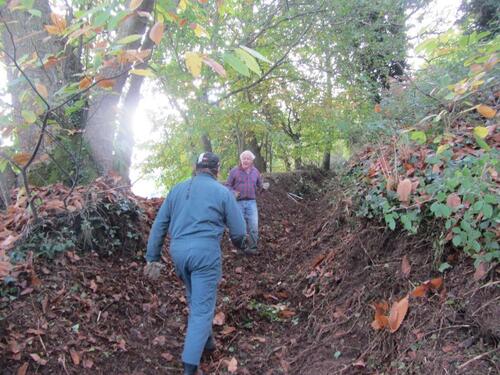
column 246, row 182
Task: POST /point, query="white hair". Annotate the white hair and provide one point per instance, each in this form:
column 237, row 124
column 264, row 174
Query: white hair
column 247, row 152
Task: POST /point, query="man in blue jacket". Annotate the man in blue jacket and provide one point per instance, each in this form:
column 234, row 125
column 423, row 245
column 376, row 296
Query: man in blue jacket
column 195, row 213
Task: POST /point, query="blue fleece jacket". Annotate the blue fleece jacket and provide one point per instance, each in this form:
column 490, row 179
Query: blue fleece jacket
column 196, row 210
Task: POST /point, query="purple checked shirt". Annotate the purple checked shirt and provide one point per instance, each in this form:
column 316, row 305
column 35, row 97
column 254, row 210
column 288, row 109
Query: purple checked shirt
column 245, row 183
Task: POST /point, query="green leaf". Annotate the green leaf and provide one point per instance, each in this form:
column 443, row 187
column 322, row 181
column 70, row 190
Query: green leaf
column 143, row 72
column 33, row 12
column 249, row 61
column 490, row 198
column 389, row 219
column 101, row 18
column 457, row 240
column 487, row 211
column 482, row 144
column 113, row 23
column 29, row 116
column 443, row 267
column 418, row 136
column 3, row 162
column 236, row 63
column 129, row 39
column 478, row 206
column 256, row 54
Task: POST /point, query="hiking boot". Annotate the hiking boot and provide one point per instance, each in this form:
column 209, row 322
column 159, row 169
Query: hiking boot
column 191, row 369
column 210, row 345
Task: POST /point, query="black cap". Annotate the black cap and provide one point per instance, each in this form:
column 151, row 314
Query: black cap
column 208, row 160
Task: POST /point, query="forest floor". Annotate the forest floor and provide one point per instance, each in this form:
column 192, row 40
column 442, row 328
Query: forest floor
column 304, row 305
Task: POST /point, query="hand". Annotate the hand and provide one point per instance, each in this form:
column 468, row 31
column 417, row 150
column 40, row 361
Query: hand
column 236, row 194
column 265, row 185
column 152, row 270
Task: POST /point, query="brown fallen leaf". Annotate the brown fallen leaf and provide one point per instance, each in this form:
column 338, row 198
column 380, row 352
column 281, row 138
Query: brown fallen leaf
column 232, row 365
column 359, row 363
column 219, row 319
column 159, row 340
column 404, row 190
column 380, row 320
column 397, row 314
column 228, row 330
column 87, row 363
column 405, row 266
column 93, row 286
column 167, row 356
column 436, row 283
column 453, row 201
column 481, row 271
column 286, row 314
column 38, row 359
column 22, row 370
column 75, row 356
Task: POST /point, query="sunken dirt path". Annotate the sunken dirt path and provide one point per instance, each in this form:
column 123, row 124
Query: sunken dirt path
column 92, row 314
column 301, row 307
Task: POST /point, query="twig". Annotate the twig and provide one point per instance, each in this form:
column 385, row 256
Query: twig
column 292, row 198
column 486, row 304
column 482, row 286
column 477, row 357
column 366, row 252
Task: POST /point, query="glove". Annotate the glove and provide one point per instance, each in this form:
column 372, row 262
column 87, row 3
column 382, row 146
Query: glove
column 240, row 243
column 152, row 270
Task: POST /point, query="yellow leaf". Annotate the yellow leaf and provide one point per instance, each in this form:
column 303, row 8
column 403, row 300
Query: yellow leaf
column 156, row 32
column 143, row 72
column 442, row 148
column 481, row 132
column 199, row 31
column 486, row 111
column 58, row 21
column 52, row 29
column 134, row 4
column 404, row 190
column 42, row 90
column 193, row 63
column 183, row 5
column 21, row 158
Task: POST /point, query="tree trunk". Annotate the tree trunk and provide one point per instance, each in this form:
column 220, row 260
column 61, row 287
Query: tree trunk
column 102, row 124
column 207, row 143
column 259, row 161
column 7, row 181
column 124, row 145
column 24, row 37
